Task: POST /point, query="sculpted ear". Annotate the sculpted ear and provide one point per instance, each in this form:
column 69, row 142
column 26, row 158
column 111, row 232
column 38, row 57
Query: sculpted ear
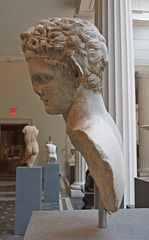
column 80, row 73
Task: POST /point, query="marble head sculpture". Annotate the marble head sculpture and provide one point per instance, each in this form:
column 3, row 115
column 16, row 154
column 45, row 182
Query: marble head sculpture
column 32, row 148
column 66, row 58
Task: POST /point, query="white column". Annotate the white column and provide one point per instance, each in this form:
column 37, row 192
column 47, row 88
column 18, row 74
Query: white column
column 80, row 170
column 114, row 20
column 143, row 100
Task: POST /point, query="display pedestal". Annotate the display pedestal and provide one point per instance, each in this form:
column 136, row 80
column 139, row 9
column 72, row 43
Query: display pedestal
column 28, row 196
column 125, row 224
column 142, row 192
column 51, row 186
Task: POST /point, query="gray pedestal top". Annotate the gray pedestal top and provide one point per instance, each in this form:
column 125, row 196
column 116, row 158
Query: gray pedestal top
column 125, row 224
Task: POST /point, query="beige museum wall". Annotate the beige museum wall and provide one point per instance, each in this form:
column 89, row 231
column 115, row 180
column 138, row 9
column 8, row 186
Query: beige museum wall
column 16, row 92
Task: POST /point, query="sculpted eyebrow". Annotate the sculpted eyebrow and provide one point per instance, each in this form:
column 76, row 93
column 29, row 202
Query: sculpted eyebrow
column 42, row 78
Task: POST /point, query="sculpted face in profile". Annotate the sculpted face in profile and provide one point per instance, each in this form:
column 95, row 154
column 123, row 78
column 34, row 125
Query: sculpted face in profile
column 66, row 57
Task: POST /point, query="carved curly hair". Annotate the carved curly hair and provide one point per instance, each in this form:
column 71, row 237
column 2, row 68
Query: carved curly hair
column 71, row 39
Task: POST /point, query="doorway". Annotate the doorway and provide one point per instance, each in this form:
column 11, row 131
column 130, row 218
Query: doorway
column 12, row 148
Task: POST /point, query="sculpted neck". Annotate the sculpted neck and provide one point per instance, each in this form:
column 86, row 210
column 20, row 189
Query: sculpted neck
column 87, row 106
column 88, row 112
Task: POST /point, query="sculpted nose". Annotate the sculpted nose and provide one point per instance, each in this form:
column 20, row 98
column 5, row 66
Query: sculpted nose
column 37, row 90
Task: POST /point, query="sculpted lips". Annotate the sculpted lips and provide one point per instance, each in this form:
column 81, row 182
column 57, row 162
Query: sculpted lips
column 44, row 100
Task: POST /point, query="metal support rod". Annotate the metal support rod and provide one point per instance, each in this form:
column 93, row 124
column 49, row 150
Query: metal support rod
column 102, row 214
column 96, row 196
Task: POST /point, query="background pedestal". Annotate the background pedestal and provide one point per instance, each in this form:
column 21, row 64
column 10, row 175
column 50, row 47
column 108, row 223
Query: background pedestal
column 51, row 186
column 82, row 224
column 28, row 196
column 142, row 192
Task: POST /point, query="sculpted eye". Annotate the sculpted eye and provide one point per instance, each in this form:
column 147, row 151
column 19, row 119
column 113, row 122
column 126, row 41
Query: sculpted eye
column 42, row 78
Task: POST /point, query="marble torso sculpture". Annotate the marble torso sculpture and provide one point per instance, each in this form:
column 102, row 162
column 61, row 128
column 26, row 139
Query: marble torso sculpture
column 66, row 57
column 52, row 156
column 32, row 148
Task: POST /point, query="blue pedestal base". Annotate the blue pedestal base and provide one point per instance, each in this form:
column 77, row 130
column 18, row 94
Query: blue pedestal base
column 28, row 196
column 51, row 186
